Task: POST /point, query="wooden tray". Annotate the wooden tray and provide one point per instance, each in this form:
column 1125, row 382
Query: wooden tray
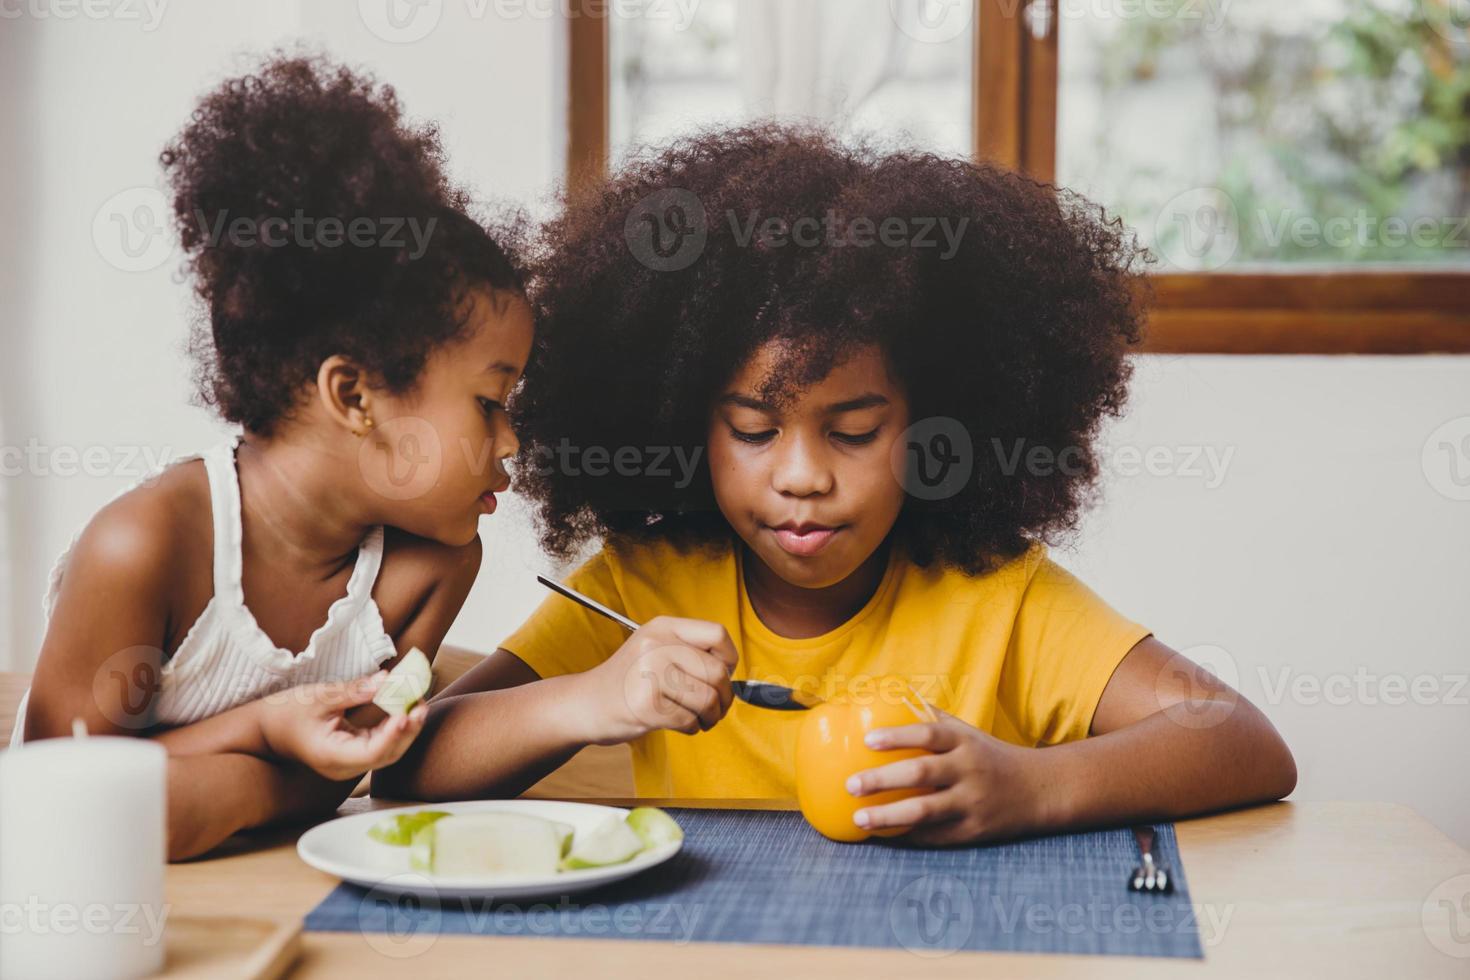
column 235, row 947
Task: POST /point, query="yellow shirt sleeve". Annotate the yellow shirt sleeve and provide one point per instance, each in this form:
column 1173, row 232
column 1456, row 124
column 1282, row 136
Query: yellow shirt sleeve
column 1064, row 648
column 563, row 637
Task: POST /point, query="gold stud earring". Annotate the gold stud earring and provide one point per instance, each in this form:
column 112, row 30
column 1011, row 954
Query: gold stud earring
column 367, row 421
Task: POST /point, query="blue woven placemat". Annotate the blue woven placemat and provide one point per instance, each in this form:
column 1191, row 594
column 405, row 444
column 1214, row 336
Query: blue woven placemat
column 749, row 876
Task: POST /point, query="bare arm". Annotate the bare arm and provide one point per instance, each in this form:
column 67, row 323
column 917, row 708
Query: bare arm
column 494, row 704
column 499, row 728
column 240, row 729
column 1168, row 740
column 228, row 767
column 212, row 797
column 101, row 662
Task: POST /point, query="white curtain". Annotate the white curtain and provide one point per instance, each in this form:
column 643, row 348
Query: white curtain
column 813, row 59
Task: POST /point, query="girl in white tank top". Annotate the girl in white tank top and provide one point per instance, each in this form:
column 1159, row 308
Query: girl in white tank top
column 225, row 658
column 368, row 374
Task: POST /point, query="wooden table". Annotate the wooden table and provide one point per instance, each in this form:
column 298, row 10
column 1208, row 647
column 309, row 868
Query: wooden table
column 1328, row 890
column 1290, row 890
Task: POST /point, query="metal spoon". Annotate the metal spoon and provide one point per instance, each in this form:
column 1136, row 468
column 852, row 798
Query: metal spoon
column 757, row 693
column 773, row 696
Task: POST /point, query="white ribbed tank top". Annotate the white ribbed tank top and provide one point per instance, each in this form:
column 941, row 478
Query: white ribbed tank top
column 226, row 659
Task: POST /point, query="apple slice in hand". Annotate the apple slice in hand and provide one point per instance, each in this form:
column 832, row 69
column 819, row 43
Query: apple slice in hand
column 406, row 684
column 610, row 842
column 487, row 843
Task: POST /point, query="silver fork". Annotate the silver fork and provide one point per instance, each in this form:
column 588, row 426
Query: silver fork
column 1149, row 877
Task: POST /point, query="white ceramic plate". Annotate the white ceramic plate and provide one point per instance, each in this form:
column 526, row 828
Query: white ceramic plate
column 343, row 848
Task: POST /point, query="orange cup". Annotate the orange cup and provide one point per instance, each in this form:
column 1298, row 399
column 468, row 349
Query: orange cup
column 830, row 748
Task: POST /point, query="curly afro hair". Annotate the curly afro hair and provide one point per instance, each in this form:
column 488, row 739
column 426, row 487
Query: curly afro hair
column 317, row 221
column 1019, row 332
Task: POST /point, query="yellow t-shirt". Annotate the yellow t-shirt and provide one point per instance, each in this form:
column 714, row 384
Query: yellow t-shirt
column 1022, row 652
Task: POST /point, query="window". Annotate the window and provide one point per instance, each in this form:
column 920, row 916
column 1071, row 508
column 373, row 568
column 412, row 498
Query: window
column 1300, row 170
column 1325, row 132
column 867, row 67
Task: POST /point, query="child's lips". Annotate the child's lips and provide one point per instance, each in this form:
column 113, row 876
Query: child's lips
column 803, row 541
column 487, row 499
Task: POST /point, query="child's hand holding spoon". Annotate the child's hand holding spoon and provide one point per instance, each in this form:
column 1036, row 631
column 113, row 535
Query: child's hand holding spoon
column 757, row 693
column 672, row 673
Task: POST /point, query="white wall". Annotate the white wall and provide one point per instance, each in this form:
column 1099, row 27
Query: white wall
column 92, row 355
column 1324, row 551
column 1325, row 559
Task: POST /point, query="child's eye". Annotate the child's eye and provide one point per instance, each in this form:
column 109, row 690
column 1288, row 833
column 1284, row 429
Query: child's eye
column 856, row 439
column 489, row 406
column 755, row 438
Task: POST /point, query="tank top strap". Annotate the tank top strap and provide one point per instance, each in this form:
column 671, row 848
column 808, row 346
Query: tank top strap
column 224, row 496
column 365, row 572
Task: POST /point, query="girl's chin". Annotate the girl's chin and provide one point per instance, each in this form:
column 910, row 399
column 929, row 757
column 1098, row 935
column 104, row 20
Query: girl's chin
column 457, row 536
column 818, row 572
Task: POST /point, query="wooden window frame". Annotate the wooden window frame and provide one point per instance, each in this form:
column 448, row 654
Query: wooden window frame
column 1342, row 310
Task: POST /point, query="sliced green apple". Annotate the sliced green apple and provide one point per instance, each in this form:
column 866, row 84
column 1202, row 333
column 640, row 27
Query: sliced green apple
column 653, row 826
column 487, row 843
column 406, row 684
column 610, row 842
column 565, row 831
column 421, row 849
column 398, row 829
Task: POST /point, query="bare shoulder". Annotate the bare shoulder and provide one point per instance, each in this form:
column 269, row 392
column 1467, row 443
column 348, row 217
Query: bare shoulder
column 154, row 532
column 129, row 579
column 420, row 576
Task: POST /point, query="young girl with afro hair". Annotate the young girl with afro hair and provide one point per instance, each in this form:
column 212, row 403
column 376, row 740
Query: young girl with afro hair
column 241, row 605
column 837, row 401
column 364, row 333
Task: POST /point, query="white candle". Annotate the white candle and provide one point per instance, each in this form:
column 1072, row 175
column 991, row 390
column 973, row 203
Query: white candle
column 82, row 852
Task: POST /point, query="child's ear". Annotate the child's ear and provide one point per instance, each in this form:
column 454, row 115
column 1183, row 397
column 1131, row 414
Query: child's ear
column 342, row 388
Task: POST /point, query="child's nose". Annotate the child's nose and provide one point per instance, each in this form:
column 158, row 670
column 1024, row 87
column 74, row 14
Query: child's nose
column 801, row 470
column 506, row 443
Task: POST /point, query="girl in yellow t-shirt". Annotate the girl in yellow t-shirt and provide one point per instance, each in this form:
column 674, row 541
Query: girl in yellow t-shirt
column 822, row 438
